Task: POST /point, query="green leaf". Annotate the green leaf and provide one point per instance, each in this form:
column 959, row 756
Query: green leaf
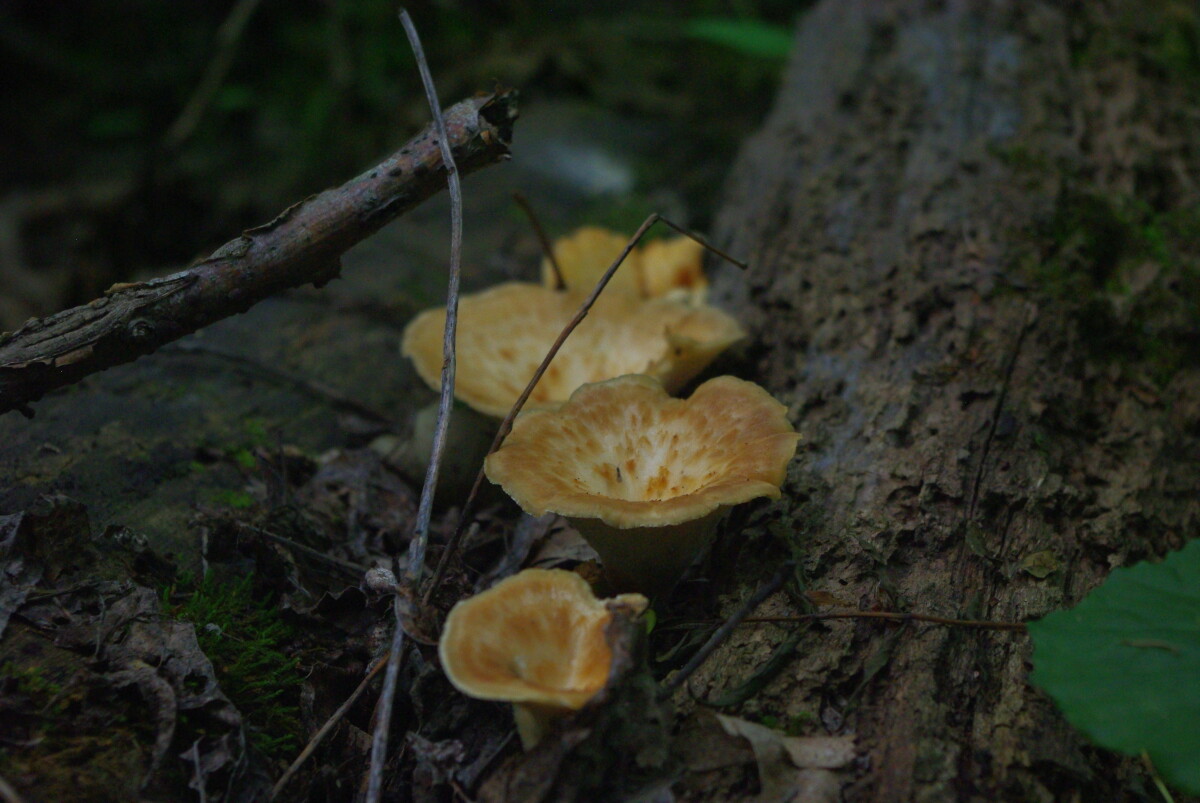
column 746, row 36
column 1124, row 665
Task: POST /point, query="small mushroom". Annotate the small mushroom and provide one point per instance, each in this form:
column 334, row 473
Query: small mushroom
column 504, row 333
column 536, row 640
column 646, row 478
column 671, row 267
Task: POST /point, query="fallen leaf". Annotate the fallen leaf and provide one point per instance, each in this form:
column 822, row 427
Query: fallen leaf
column 793, row 767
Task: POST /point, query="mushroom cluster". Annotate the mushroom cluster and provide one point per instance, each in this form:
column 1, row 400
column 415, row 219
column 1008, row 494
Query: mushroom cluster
column 536, row 640
column 644, row 477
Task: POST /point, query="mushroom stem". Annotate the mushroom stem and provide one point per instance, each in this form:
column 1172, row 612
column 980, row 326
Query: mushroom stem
column 534, row 721
column 648, row 559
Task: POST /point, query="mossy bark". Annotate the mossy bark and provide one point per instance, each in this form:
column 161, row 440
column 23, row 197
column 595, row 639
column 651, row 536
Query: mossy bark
column 968, row 450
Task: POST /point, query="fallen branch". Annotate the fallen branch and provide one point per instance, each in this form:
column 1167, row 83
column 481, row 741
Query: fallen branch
column 303, row 244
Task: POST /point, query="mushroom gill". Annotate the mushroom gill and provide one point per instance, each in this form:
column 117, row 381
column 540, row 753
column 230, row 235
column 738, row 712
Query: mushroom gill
column 645, row 478
column 536, row 640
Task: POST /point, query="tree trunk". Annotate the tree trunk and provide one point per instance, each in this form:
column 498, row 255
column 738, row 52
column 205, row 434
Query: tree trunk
column 972, row 278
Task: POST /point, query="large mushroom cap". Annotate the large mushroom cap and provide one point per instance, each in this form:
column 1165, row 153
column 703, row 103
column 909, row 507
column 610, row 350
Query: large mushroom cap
column 536, row 639
column 504, row 333
column 626, row 453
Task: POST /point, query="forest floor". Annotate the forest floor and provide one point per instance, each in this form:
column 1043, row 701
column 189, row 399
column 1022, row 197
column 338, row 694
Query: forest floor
column 186, row 539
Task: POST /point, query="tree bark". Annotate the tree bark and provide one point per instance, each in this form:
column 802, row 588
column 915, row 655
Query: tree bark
column 975, row 445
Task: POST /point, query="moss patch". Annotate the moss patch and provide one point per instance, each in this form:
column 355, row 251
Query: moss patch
column 244, row 636
column 1132, row 274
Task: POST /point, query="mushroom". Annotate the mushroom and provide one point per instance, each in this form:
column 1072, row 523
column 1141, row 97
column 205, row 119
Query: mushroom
column 664, row 268
column 504, row 333
column 536, row 640
column 586, row 253
column 673, row 268
column 646, row 478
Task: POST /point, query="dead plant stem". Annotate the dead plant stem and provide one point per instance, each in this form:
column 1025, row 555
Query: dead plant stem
column 420, row 538
column 547, row 249
column 726, row 630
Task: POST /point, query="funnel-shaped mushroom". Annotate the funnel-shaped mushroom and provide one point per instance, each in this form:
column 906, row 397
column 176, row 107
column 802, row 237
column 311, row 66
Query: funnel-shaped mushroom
column 644, row 477
column 667, row 268
column 536, row 640
column 505, row 332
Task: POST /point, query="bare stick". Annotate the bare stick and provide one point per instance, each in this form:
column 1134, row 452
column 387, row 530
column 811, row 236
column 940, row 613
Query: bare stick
column 228, row 36
column 9, row 794
column 890, row 616
column 506, row 424
column 350, row 568
column 324, row 730
column 303, row 244
column 420, row 539
column 387, row 698
column 718, row 638
column 547, row 249
column 416, row 560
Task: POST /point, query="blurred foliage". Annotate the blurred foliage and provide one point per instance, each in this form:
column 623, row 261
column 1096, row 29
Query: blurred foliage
column 319, row 89
column 748, row 36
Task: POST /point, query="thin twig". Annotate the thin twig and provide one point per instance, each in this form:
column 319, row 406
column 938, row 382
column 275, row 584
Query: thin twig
column 324, row 730
column 228, row 37
column 9, row 794
column 1158, row 781
column 416, row 562
column 547, row 249
column 506, row 425
column 890, row 616
column 383, row 707
column 420, row 539
column 351, row 569
column 718, row 638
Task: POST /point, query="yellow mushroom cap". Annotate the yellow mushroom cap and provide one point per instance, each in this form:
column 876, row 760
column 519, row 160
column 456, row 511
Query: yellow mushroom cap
column 667, row 268
column 586, row 253
column 505, row 331
column 537, row 640
column 625, row 452
column 673, row 268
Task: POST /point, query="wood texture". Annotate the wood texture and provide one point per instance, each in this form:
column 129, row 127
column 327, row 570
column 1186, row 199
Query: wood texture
column 958, row 426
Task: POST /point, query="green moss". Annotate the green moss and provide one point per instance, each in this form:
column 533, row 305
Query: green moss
column 32, row 682
column 256, row 430
column 244, row 458
column 1087, row 254
column 244, row 636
